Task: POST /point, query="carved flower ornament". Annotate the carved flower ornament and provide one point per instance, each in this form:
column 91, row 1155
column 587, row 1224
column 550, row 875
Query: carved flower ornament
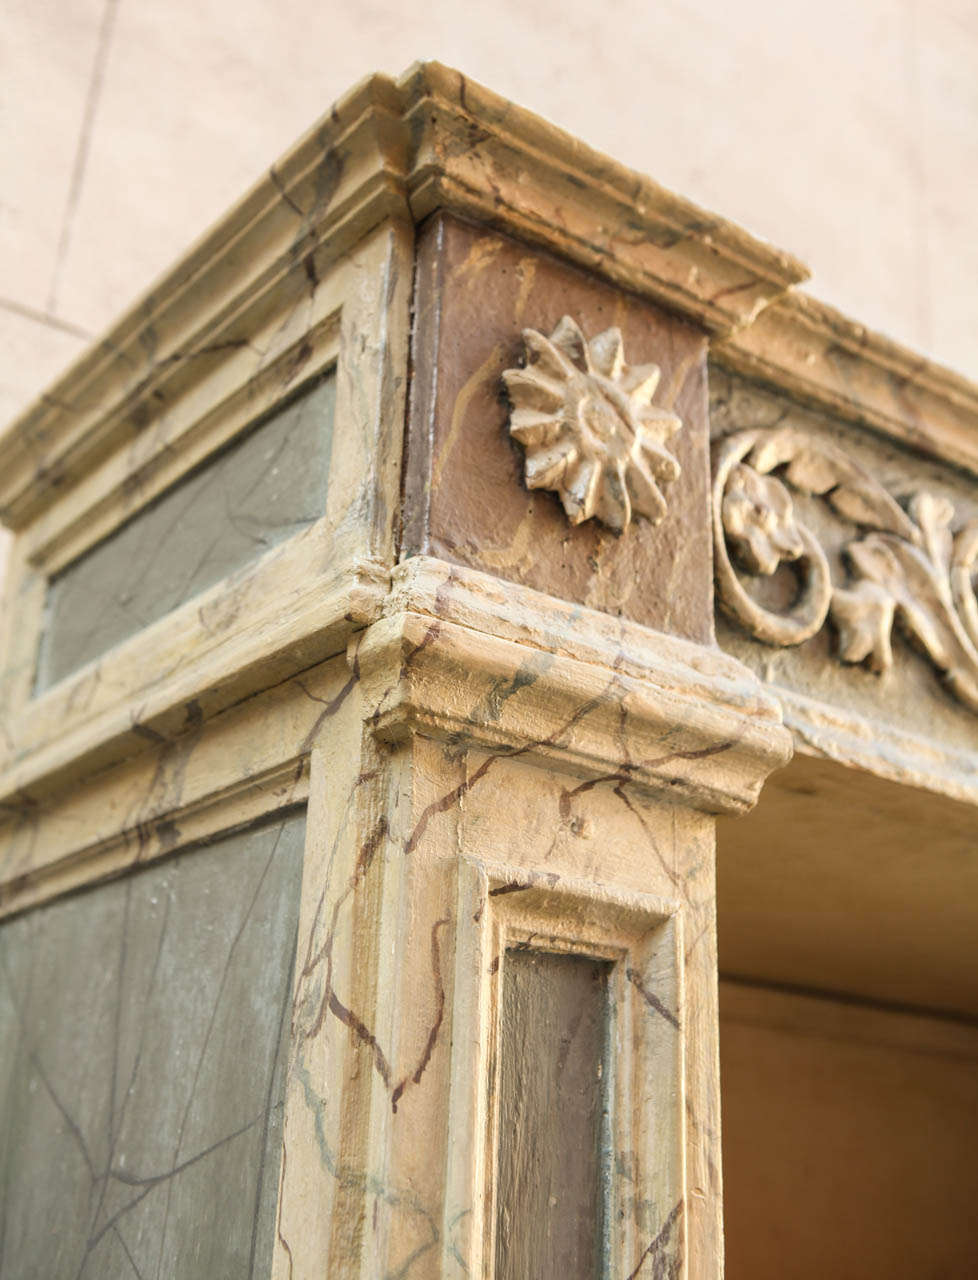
column 589, row 428
column 759, row 518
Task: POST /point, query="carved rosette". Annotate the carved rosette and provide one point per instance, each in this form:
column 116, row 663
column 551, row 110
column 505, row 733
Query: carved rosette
column 907, row 567
column 591, row 433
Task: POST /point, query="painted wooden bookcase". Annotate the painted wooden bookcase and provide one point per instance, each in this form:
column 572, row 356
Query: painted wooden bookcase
column 406, row 597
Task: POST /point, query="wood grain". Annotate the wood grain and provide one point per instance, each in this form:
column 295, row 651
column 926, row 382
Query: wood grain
column 552, row 1162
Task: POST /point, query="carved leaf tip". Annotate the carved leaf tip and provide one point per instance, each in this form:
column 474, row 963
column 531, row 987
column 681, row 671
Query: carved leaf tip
column 863, row 618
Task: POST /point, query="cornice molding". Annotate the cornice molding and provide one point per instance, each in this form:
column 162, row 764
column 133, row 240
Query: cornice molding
column 444, row 651
column 317, row 625
column 669, row 668
column 476, row 153
column 701, row 725
column 402, row 149
column 823, row 358
column 387, row 150
column 338, row 182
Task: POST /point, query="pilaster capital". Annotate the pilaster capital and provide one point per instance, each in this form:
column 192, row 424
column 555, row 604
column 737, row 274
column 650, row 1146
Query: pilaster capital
column 461, row 656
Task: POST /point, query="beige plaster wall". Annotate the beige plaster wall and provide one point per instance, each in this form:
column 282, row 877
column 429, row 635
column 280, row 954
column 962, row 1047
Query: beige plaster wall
column 846, row 132
column 848, row 1139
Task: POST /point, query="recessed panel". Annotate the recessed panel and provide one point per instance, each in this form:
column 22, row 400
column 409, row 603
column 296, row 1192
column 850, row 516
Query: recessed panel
column 143, row 1038
column 254, row 494
column 553, row 1130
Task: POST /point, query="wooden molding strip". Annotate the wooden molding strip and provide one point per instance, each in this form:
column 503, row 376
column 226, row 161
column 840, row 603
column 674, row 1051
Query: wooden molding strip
column 835, row 733
column 699, row 728
column 822, row 358
column 94, row 719
column 435, row 140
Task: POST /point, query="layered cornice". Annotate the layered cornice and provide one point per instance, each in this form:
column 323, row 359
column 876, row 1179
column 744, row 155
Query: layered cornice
column 826, row 359
column 460, row 656
column 388, row 150
column 401, row 149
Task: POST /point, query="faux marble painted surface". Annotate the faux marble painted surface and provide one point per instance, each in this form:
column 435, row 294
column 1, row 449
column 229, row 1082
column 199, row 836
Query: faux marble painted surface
column 911, row 695
column 253, row 495
column 381, row 1113
column 387, row 941
column 465, row 497
column 605, row 831
column 143, row 1036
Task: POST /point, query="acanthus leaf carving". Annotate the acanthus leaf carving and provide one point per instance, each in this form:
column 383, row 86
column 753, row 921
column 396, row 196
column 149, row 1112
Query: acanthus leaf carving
column 823, row 470
column 908, row 566
column 964, row 562
column 863, row 618
column 591, row 433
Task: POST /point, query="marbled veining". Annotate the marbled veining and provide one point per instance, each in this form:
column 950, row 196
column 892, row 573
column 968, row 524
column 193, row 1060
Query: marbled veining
column 266, row 487
column 143, row 1039
column 491, row 715
column 387, row 951
column 465, row 498
column 613, row 754
column 302, row 598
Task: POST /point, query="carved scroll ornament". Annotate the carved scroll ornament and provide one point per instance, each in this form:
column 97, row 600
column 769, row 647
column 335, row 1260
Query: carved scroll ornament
column 589, row 428
column 909, row 567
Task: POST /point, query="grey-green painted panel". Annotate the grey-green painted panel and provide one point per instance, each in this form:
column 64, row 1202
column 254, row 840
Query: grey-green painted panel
column 260, row 490
column 553, row 1118
column 143, row 1039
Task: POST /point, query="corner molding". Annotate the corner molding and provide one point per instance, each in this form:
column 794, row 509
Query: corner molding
column 237, row 664
column 621, row 704
column 590, row 431
column 480, row 155
column 397, row 150
column 909, row 565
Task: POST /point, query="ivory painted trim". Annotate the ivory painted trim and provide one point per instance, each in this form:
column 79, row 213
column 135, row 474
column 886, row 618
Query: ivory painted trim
column 823, row 358
column 279, row 238
column 483, row 603
column 238, row 804
column 570, row 704
column 442, row 680
column 138, row 808
column 641, row 935
column 835, row 733
column 401, row 149
column 433, row 589
column 478, row 154
column 293, row 608
column 219, row 409
column 209, row 660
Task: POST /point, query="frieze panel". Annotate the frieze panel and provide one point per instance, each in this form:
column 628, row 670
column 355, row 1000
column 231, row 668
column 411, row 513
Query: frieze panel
column 911, row 566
